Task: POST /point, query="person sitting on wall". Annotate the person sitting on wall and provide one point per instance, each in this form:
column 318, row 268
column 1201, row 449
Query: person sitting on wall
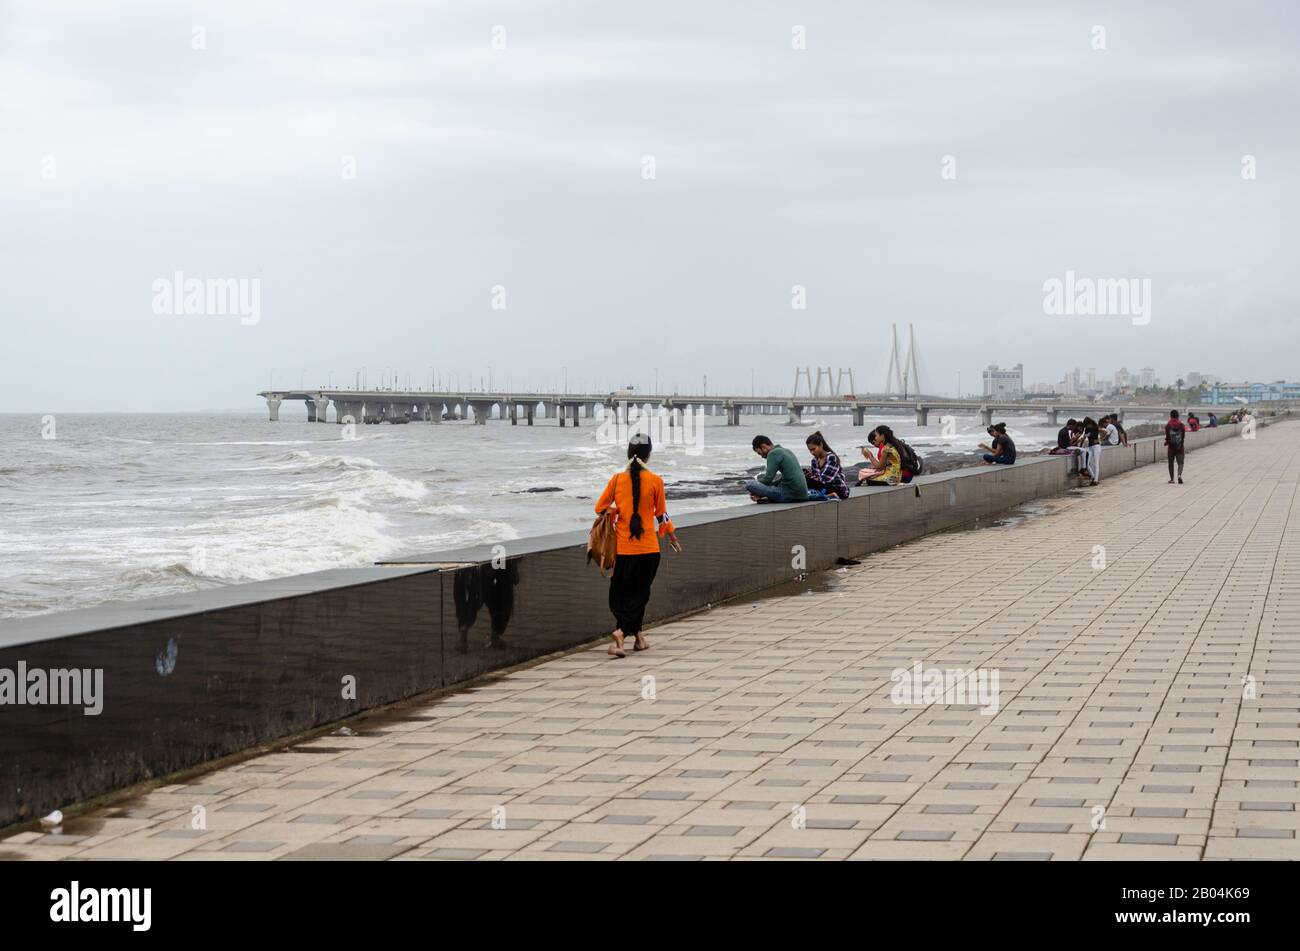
column 1213, row 422
column 1066, row 438
column 869, row 453
column 876, row 460
column 1003, row 450
column 783, row 480
column 1109, row 431
column 1193, row 423
column 825, row 473
column 1123, row 433
column 890, row 471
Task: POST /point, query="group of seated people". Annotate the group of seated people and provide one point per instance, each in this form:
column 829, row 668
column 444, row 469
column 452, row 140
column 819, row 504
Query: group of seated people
column 1078, row 435
column 785, row 480
column 890, row 461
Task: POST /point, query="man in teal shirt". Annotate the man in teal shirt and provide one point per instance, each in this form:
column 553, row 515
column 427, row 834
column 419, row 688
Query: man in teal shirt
column 783, row 481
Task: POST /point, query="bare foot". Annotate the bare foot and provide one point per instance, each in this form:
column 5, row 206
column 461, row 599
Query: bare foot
column 616, row 649
column 640, row 644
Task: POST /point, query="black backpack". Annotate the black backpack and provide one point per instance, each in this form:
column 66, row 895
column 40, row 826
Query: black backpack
column 1175, row 439
column 911, row 461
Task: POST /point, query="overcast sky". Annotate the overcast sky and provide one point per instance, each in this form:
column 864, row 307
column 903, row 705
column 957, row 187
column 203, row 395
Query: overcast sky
column 126, row 155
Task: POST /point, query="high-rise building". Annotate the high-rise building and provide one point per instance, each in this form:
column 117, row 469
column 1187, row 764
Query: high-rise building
column 1194, row 380
column 1146, row 377
column 1005, row 384
column 1123, row 379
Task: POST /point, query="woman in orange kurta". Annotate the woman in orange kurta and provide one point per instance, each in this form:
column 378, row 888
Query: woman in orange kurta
column 641, row 515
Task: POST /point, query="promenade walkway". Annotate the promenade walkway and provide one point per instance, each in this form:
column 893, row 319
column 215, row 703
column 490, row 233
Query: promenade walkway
column 1148, row 709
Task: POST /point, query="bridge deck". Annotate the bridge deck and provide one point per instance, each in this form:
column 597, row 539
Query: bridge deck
column 1120, row 689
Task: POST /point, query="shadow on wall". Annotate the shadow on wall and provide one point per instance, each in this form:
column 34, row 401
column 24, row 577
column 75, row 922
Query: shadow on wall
column 484, row 586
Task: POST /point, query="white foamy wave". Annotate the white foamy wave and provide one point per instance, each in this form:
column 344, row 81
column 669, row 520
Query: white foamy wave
column 442, row 509
column 330, row 462
column 272, row 546
column 250, row 442
column 368, row 485
column 477, row 532
column 355, row 478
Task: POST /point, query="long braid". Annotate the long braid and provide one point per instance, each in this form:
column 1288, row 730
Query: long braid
column 638, row 451
column 634, row 473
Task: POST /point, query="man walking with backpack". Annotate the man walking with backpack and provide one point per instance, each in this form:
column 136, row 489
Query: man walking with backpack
column 1174, row 432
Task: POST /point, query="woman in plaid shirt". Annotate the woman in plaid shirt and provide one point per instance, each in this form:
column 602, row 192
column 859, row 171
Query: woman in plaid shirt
column 826, row 472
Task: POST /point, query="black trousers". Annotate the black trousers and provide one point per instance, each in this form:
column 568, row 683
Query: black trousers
column 629, row 590
column 1179, row 455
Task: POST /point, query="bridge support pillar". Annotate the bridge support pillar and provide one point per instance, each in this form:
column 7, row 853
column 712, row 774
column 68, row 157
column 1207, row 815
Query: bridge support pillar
column 482, row 410
column 1053, row 415
column 273, row 408
column 322, row 406
column 986, row 416
column 922, row 416
column 794, row 414
column 573, row 410
column 529, row 411
column 859, row 415
column 514, row 414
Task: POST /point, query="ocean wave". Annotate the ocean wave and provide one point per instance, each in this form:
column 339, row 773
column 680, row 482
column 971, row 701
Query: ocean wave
column 354, row 478
column 476, row 532
column 312, row 460
column 250, row 442
column 442, row 508
column 271, row 546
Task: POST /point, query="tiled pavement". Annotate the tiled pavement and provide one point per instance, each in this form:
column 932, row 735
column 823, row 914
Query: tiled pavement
column 1121, row 699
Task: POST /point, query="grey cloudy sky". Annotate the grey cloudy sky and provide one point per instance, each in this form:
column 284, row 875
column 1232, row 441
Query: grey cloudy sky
column 522, row 167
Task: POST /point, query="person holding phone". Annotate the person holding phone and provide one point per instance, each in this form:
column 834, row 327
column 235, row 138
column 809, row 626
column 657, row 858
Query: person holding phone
column 890, row 460
column 1003, row 450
